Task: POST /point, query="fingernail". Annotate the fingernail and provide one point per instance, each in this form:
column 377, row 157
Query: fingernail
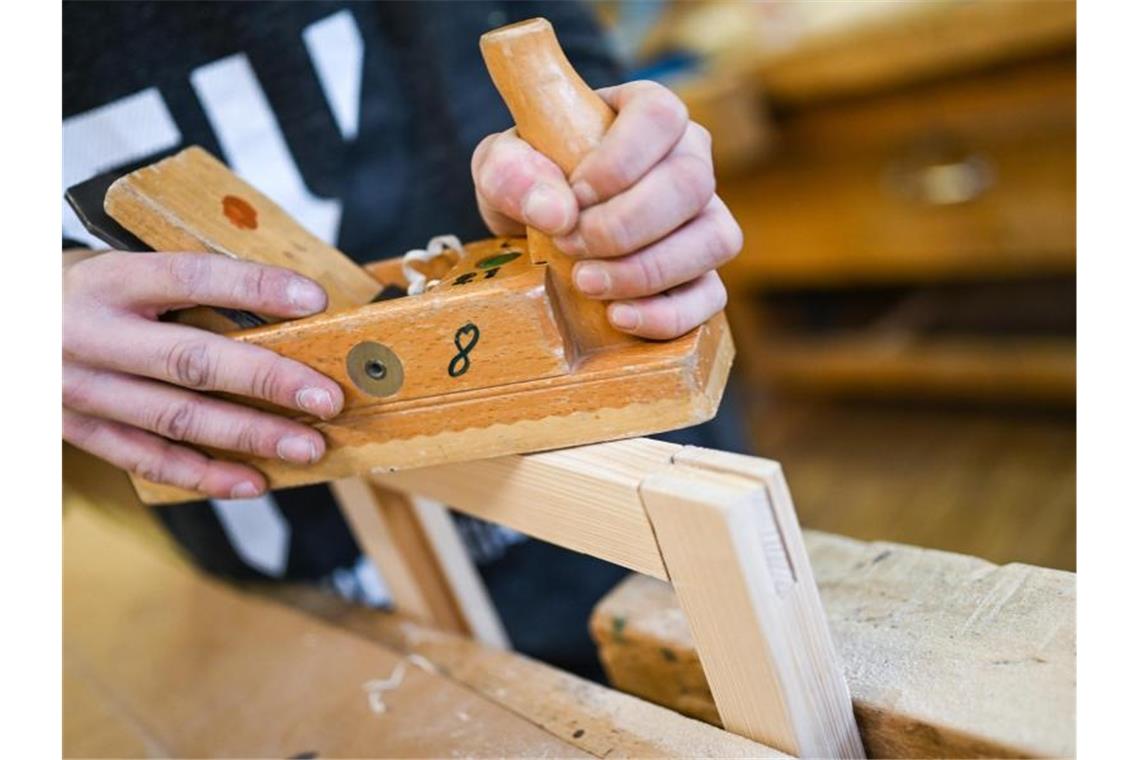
column 305, row 296
column 545, row 208
column 591, row 279
column 572, row 244
column 584, row 192
column 246, row 490
column 624, row 317
column 316, row 401
column 296, row 448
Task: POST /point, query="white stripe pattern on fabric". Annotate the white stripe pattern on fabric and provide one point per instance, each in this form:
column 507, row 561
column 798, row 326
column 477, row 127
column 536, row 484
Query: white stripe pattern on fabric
column 254, row 145
column 336, row 48
column 260, row 534
column 111, row 135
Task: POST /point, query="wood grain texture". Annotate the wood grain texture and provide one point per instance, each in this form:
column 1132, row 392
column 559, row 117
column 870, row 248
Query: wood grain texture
column 732, row 547
column 518, row 339
column 421, row 558
column 582, row 714
column 560, row 116
column 486, row 365
column 207, row 671
column 584, row 499
column 706, row 520
column 946, row 655
column 601, row 721
column 192, row 202
column 647, row 388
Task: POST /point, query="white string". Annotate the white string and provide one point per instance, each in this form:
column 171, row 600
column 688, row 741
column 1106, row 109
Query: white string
column 377, row 686
column 440, row 245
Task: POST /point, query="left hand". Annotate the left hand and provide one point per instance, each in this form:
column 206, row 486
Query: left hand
column 640, row 211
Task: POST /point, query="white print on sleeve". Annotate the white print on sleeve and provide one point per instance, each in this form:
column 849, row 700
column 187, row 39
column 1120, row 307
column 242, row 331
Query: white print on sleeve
column 249, row 134
column 118, row 133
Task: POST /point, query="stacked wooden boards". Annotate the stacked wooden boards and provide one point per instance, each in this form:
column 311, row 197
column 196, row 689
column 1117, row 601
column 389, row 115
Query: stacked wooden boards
column 946, row 655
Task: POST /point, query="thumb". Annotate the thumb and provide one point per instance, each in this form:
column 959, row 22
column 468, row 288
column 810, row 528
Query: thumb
column 515, row 184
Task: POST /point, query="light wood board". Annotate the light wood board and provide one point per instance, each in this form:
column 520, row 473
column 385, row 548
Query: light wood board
column 202, row 670
column 946, row 655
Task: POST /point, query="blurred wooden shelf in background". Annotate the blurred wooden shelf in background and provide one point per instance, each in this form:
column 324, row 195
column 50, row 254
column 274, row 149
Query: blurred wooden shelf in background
column 960, row 179
column 909, row 145
column 904, row 307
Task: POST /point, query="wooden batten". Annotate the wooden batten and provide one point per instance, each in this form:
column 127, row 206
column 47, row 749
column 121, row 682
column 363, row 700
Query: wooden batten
column 722, row 529
column 421, row 557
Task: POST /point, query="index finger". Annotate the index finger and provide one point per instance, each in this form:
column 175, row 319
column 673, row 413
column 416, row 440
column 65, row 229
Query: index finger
column 202, row 361
column 162, row 281
column 650, row 121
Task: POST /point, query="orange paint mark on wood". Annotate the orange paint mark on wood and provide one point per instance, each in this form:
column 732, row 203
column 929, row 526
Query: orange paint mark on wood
column 239, row 212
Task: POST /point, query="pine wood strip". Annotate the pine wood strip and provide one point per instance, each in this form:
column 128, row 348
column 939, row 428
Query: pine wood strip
column 946, row 655
column 421, row 558
column 458, row 569
column 734, row 552
column 634, row 502
column 585, row 499
column 595, row 719
column 208, row 671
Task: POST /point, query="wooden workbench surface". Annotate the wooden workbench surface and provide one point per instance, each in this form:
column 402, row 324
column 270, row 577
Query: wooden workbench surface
column 160, row 660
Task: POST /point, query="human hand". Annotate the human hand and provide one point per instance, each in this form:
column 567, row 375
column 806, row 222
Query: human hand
column 640, row 211
column 131, row 383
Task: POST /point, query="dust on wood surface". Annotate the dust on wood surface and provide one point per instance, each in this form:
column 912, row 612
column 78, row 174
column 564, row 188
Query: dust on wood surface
column 199, row 669
column 595, row 719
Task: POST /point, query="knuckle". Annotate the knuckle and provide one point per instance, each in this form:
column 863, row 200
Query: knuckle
column 187, row 270
column 260, row 285
column 702, row 133
column 190, row 364
column 151, row 467
column 248, row 439
column 168, row 464
column 651, row 274
column 76, row 393
column 617, row 174
column 267, row 381
column 666, row 110
column 727, row 239
column 605, row 232
column 176, row 421
column 79, row 430
column 720, row 292
column 479, row 156
column 484, row 178
column 695, row 180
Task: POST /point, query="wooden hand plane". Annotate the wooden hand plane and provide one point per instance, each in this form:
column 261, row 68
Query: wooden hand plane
column 503, row 356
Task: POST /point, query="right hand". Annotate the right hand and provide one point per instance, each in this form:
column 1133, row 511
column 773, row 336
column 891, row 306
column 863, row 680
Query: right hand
column 131, row 383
